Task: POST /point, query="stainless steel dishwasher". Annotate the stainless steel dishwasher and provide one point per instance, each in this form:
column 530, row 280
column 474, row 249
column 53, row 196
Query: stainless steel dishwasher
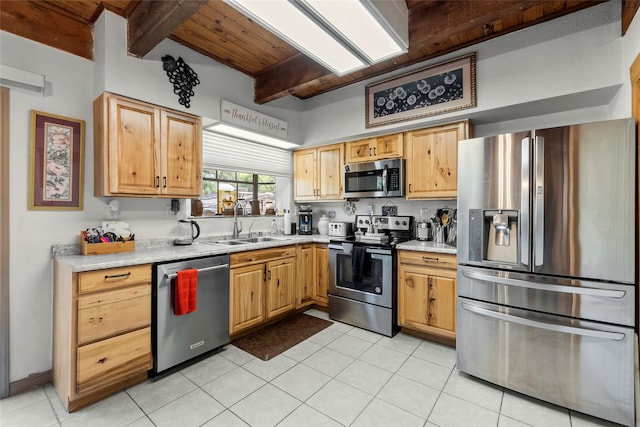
column 177, row 339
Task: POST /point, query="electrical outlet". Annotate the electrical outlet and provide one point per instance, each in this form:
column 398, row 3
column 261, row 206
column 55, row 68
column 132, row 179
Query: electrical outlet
column 113, row 209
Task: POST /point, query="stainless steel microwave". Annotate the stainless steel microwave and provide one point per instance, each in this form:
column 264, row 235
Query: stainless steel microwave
column 384, row 178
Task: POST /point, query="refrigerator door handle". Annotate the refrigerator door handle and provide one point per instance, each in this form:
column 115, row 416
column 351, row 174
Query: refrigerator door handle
column 603, row 293
column 613, row 336
column 524, row 204
column 538, row 215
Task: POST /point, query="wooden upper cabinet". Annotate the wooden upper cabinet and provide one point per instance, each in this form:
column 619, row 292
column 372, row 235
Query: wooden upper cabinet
column 304, row 174
column 317, row 173
column 358, row 151
column 378, row 148
column 330, row 164
column 432, row 161
column 183, row 167
column 144, row 150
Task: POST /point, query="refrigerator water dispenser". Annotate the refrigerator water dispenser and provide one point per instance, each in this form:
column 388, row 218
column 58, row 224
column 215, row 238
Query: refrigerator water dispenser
column 493, row 235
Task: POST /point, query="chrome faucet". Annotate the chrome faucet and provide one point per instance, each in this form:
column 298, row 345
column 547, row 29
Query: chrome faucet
column 236, row 229
column 251, row 225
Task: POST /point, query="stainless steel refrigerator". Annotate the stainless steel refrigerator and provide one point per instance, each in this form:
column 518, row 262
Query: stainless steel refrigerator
column 547, row 264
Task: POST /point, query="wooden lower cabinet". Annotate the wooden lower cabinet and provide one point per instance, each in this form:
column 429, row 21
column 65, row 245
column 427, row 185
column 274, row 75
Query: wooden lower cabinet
column 106, row 361
column 262, row 286
column 313, row 275
column 427, row 292
column 101, row 332
column 281, row 280
column 305, row 280
column 321, row 272
column 247, row 297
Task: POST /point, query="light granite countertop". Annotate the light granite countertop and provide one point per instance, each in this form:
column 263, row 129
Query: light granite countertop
column 151, row 251
column 427, row 246
column 159, row 251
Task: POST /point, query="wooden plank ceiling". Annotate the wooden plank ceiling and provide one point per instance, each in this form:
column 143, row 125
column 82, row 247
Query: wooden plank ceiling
column 218, row 31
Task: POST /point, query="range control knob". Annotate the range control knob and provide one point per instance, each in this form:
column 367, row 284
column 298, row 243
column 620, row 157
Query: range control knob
column 404, row 222
column 397, row 223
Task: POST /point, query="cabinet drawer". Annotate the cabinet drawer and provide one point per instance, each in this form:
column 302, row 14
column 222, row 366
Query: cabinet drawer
column 104, row 314
column 113, row 360
column 431, row 259
column 100, row 280
column 261, row 255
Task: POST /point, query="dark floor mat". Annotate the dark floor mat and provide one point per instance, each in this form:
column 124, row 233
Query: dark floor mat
column 272, row 340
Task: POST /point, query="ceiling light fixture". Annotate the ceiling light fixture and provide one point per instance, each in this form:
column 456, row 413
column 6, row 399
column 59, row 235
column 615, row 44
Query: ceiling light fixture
column 251, row 136
column 342, row 35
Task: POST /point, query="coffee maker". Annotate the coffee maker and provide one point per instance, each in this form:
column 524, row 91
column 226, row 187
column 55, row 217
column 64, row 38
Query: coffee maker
column 305, row 220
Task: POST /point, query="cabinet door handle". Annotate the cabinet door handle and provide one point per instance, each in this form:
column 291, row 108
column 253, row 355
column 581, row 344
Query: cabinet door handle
column 157, row 181
column 165, row 182
column 429, row 259
column 370, row 151
column 409, row 188
column 374, row 151
column 117, row 276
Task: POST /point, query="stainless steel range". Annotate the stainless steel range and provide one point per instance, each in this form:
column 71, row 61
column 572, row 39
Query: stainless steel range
column 362, row 273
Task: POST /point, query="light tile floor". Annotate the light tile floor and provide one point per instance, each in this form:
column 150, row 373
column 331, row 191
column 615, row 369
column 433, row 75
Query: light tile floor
column 342, row 376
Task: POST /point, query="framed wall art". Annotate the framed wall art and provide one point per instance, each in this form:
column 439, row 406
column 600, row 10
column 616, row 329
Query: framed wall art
column 437, row 89
column 56, row 175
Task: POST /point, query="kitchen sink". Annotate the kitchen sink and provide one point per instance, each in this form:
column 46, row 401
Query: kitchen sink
column 228, row 242
column 258, row 239
column 232, row 242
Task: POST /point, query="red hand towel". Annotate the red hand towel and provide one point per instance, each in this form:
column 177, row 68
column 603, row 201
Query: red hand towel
column 186, row 287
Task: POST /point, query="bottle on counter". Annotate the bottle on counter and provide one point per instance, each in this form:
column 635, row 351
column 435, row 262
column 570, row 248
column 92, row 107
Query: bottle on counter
column 274, row 227
column 287, row 221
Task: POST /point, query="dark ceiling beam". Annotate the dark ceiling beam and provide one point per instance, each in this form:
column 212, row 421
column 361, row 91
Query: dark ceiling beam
column 44, row 22
column 431, row 27
column 153, row 21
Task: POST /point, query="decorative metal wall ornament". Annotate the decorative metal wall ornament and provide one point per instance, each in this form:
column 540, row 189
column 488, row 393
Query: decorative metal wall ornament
column 183, row 78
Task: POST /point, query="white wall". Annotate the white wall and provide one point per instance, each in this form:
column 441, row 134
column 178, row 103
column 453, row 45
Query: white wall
column 621, row 105
column 72, row 84
column 561, row 66
column 69, row 79
column 594, row 61
column 144, row 79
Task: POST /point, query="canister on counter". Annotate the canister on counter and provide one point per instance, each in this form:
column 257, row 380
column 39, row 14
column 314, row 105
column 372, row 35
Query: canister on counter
column 423, row 230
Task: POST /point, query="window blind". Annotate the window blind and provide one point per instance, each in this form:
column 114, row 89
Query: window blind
column 228, row 153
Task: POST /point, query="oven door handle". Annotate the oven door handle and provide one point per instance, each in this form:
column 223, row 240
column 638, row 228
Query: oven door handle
column 378, row 251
